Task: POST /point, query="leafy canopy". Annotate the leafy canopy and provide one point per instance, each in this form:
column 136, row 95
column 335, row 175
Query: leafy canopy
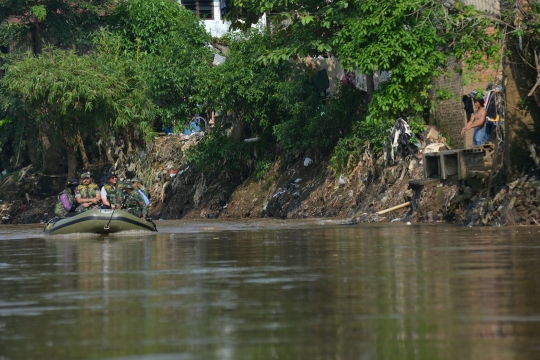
column 65, row 23
column 80, row 92
column 171, row 45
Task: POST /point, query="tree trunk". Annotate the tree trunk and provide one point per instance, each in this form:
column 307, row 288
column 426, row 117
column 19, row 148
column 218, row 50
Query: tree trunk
column 237, row 130
column 109, row 155
column 53, row 159
column 36, row 39
column 370, row 86
column 71, row 152
column 129, row 141
column 521, row 129
column 84, row 157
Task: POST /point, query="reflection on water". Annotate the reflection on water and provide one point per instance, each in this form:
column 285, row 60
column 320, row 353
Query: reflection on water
column 272, row 290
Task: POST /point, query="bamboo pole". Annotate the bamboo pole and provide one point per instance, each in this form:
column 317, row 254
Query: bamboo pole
column 394, row 208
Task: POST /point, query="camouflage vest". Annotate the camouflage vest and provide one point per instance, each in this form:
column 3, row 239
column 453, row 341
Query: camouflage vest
column 87, row 191
column 135, row 204
column 114, row 194
column 59, row 209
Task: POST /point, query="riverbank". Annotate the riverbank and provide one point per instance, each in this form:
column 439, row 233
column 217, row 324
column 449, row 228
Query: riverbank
column 305, row 189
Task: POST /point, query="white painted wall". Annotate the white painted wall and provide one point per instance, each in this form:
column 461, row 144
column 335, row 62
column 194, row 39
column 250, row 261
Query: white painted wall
column 217, row 27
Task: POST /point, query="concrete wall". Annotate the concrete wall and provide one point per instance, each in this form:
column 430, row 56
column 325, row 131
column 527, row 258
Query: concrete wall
column 332, row 66
column 489, row 6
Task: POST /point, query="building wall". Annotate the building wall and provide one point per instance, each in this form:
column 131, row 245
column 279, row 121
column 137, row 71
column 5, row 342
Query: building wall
column 449, row 116
column 489, row 6
column 217, row 27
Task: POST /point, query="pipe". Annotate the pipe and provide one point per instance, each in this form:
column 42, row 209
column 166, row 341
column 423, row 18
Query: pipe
column 394, row 208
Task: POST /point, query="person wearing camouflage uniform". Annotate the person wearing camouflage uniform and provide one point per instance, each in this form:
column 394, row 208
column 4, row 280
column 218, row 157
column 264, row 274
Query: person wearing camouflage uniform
column 133, row 201
column 111, row 194
column 87, row 194
column 140, row 189
column 65, row 201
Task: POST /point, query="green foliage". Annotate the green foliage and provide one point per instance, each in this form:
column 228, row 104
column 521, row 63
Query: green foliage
column 263, row 165
column 365, row 135
column 411, row 39
column 246, row 94
column 76, row 92
column 241, row 86
column 312, row 122
column 63, row 23
column 170, row 44
column 216, row 152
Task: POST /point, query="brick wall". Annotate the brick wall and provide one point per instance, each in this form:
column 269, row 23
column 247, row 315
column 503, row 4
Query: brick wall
column 449, row 116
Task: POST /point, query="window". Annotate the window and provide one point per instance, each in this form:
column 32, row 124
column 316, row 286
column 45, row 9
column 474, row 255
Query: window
column 203, row 8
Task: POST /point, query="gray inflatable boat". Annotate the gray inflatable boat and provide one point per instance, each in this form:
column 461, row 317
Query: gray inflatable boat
column 98, row 221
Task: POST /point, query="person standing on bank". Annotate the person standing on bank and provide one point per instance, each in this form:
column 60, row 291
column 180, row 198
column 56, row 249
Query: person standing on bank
column 138, row 186
column 477, row 123
column 111, row 195
column 65, row 201
column 133, row 201
column 87, row 193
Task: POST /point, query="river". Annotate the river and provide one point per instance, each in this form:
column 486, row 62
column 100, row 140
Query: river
column 269, row 289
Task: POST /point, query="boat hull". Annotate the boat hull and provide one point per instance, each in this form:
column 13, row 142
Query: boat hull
column 99, row 221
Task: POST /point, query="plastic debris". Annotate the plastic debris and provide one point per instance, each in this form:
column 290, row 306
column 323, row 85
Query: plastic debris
column 307, row 161
column 297, row 180
column 255, row 139
column 435, row 147
column 219, row 59
column 342, row 180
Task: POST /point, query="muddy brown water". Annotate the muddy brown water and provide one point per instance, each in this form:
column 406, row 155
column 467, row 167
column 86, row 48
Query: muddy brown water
column 263, row 289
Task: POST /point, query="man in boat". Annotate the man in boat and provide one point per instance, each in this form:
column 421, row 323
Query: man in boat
column 111, row 194
column 65, row 201
column 133, row 201
column 87, row 194
column 138, row 186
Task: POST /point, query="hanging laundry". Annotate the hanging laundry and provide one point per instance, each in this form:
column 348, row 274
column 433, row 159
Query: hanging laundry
column 468, row 106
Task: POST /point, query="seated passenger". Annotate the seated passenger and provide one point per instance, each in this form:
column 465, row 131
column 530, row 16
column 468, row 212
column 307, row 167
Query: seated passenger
column 87, row 194
column 133, row 201
column 65, row 202
column 111, row 195
column 138, row 186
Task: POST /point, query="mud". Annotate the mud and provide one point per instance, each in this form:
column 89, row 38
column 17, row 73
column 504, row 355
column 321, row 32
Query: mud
column 179, row 191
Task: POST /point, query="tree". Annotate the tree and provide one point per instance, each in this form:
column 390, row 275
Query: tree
column 278, row 102
column 73, row 93
column 411, row 39
column 64, row 23
column 171, row 45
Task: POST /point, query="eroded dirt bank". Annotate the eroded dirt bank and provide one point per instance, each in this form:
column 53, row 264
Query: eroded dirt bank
column 178, row 191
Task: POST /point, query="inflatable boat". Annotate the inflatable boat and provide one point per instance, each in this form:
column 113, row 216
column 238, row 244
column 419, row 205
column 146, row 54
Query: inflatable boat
column 98, row 221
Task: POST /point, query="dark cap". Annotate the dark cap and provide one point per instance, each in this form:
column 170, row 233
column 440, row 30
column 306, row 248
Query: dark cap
column 73, row 182
column 110, row 174
column 86, row 174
